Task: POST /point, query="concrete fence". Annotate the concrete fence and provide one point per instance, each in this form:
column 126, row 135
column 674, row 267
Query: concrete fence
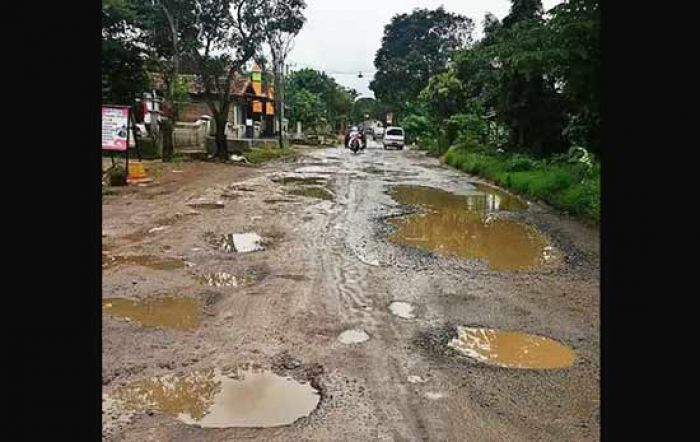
column 190, row 136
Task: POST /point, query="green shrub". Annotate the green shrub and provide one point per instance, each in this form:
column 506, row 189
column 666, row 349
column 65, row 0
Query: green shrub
column 572, row 187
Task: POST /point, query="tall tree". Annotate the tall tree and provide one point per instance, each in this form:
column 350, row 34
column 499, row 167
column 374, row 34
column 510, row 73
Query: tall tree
column 337, row 100
column 123, row 59
column 165, row 21
column 415, row 47
column 284, row 21
column 228, row 35
column 529, row 103
column 573, row 54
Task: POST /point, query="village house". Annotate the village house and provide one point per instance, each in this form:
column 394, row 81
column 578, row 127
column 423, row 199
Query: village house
column 252, row 112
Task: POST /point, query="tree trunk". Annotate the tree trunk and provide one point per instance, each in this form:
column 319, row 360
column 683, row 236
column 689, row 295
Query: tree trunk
column 220, row 135
column 167, row 129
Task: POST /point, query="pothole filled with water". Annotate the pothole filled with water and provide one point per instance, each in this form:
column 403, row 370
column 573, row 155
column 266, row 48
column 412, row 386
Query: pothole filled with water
column 151, row 261
column 497, row 199
column 304, row 181
column 460, row 225
column 312, row 192
column 403, row 310
column 207, row 204
column 512, row 349
column 219, row 279
column 484, row 199
column 213, row 398
column 354, row 336
column 177, row 313
column 235, row 242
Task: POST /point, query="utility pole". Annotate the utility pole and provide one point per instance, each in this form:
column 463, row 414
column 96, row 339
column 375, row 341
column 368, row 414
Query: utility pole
column 279, row 67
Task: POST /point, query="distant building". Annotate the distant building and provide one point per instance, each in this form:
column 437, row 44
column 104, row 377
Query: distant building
column 252, row 99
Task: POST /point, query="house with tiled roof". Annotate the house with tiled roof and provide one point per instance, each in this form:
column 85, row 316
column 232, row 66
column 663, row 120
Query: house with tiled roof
column 252, row 102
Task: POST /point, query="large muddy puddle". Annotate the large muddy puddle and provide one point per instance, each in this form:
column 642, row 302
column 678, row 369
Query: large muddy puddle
column 512, row 349
column 484, row 199
column 460, row 225
column 213, row 398
column 177, row 313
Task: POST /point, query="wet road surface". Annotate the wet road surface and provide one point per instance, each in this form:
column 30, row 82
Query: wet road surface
column 358, row 292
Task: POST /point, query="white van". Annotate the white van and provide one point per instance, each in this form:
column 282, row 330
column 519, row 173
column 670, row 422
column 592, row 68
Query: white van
column 393, row 137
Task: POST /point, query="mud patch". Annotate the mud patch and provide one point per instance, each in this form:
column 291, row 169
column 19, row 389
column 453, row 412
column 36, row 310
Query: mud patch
column 177, row 313
column 355, row 336
column 214, row 398
column 297, row 278
column 404, row 310
column 511, row 349
column 150, row 261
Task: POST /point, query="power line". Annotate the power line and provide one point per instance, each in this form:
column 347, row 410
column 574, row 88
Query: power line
column 318, row 68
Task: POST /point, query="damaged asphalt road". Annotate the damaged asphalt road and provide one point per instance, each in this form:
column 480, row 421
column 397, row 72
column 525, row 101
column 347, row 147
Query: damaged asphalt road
column 357, row 281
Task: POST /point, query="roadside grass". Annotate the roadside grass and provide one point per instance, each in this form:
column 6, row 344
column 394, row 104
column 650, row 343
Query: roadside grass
column 572, row 188
column 262, row 155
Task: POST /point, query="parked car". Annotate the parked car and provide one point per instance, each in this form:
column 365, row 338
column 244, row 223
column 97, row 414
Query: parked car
column 393, row 137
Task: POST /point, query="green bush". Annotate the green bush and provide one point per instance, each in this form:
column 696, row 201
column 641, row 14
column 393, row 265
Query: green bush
column 571, row 187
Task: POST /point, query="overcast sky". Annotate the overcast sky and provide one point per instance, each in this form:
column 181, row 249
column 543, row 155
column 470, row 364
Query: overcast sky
column 341, row 37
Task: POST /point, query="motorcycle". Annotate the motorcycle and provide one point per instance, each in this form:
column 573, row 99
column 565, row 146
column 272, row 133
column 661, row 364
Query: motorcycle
column 355, row 142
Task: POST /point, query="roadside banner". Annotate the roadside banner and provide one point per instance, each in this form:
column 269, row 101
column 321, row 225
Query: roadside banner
column 115, row 128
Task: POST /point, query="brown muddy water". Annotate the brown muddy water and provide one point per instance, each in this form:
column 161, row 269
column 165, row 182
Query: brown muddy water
column 312, row 192
column 459, row 225
column 304, row 181
column 151, row 261
column 484, row 199
column 213, row 398
column 511, row 349
column 177, row 313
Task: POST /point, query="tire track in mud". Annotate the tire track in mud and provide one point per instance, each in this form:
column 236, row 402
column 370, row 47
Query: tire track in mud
column 344, row 277
column 362, row 293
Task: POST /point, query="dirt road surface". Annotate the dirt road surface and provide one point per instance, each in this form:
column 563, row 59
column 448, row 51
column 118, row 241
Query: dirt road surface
column 329, row 266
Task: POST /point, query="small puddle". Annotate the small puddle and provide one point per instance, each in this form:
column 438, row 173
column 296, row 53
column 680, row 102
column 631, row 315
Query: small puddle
column 512, row 349
column 402, row 309
column 312, row 192
column 304, row 181
column 220, row 279
column 153, row 262
column 207, row 204
column 459, row 225
column 177, row 313
column 215, row 399
column 353, row 336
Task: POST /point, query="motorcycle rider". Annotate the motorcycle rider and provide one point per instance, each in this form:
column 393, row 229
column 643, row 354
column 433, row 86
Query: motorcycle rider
column 355, row 131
